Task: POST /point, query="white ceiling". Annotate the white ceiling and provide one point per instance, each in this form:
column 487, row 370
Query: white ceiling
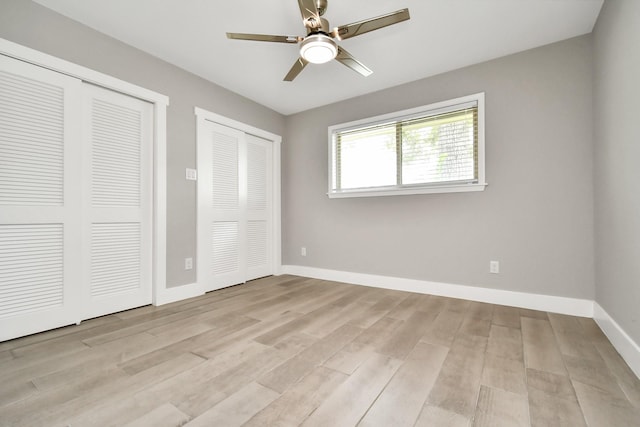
column 442, row 35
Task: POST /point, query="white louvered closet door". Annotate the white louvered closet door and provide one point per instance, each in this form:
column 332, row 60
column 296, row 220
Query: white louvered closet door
column 234, row 201
column 39, row 199
column 118, row 188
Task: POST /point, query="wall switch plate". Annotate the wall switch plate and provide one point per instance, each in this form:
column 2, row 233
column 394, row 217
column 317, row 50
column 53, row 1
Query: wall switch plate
column 303, row 251
column 494, row 267
column 191, row 174
column 188, row 263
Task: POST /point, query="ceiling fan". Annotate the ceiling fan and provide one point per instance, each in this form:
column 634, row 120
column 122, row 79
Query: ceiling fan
column 319, row 46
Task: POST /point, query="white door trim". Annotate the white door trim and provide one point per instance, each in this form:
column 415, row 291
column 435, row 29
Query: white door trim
column 202, row 115
column 160, row 103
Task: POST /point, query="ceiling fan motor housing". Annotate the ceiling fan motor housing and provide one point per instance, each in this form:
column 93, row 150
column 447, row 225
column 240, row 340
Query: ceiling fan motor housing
column 319, row 27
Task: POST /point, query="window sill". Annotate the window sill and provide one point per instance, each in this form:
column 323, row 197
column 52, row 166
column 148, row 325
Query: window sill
column 404, row 191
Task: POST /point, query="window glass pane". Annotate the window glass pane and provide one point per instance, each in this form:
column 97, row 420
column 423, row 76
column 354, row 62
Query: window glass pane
column 367, row 158
column 439, row 149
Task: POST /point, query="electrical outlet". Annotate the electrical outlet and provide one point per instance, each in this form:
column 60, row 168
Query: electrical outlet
column 191, row 174
column 303, row 251
column 188, row 263
column 494, row 267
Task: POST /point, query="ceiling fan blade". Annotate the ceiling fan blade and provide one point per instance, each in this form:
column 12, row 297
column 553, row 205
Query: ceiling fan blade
column 295, row 70
column 355, row 29
column 265, row 38
column 351, row 62
column 310, row 14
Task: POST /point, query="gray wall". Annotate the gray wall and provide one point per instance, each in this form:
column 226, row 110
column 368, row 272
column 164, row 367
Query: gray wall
column 535, row 217
column 34, row 26
column 617, row 153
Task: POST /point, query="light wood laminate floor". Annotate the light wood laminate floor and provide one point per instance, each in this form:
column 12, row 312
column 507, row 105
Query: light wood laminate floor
column 289, row 351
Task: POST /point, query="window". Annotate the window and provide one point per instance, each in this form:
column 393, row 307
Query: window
column 431, row 149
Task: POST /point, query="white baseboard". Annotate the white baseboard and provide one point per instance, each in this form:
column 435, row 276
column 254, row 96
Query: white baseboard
column 554, row 304
column 628, row 349
column 166, row 296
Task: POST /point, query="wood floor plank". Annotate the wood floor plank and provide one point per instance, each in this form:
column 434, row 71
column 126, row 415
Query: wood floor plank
column 411, row 303
column 233, row 379
column 69, row 404
column 432, row 416
column 349, row 402
column 505, row 342
column 552, row 400
column 592, row 331
column 457, row 305
column 557, row 386
column 300, row 400
column 506, row 316
column 296, row 325
column 289, row 372
column 76, row 375
column 480, row 310
column 238, row 408
column 594, row 373
column 475, row 326
column 501, row 408
column 628, row 382
column 444, row 328
column 602, row 409
column 337, row 319
column 86, row 328
column 116, row 404
column 533, row 314
column 350, row 357
column 402, row 399
column 541, row 350
column 504, row 373
column 210, row 347
column 407, row 335
column 378, row 310
column 574, row 344
column 379, row 333
column 165, row 415
column 458, row 384
column 219, row 378
column 11, row 393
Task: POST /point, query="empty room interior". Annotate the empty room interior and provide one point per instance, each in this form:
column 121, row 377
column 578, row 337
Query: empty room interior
column 319, row 213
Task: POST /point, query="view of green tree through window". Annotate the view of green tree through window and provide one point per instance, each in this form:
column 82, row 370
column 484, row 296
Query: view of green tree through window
column 432, row 148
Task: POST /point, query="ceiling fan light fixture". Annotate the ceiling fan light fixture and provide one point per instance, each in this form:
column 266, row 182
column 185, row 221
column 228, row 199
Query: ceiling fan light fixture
column 318, row 49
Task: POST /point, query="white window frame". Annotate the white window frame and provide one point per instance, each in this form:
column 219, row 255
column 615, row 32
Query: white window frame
column 423, row 111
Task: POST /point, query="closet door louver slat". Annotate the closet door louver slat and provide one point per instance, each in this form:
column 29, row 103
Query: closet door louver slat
column 225, row 247
column 31, row 142
column 115, row 258
column 31, row 268
column 116, row 141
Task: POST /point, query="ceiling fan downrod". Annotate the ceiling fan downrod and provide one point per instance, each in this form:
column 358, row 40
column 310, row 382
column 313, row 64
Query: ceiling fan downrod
column 321, row 5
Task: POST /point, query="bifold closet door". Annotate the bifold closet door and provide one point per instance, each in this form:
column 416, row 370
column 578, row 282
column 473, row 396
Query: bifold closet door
column 75, row 200
column 117, row 196
column 234, row 206
column 40, row 199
